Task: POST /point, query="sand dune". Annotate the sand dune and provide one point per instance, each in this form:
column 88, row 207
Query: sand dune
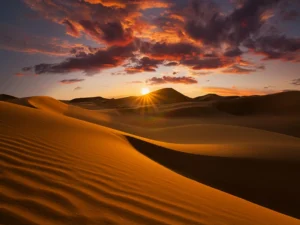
column 4, row 97
column 61, row 166
column 53, row 173
column 274, row 104
column 260, row 180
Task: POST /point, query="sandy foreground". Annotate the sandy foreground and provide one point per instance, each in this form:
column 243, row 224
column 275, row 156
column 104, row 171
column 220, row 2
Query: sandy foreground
column 63, row 164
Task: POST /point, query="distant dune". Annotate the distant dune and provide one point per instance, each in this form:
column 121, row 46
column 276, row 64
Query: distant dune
column 274, row 104
column 208, row 97
column 88, row 99
column 162, row 96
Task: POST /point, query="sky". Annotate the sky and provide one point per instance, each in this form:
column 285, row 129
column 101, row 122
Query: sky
column 114, row 48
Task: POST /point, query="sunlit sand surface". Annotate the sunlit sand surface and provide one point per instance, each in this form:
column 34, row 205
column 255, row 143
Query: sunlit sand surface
column 168, row 164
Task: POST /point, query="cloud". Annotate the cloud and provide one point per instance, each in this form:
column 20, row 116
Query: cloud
column 296, row 81
column 71, row 81
column 195, row 34
column 276, row 47
column 269, row 87
column 102, row 20
column 144, row 64
column 73, row 29
column 170, row 51
column 238, row 70
column 207, row 63
column 173, row 80
column 233, row 52
column 135, row 82
column 77, row 88
column 111, row 33
column 212, row 27
column 89, row 63
column 235, row 91
column 142, row 4
column 171, row 64
column 200, row 73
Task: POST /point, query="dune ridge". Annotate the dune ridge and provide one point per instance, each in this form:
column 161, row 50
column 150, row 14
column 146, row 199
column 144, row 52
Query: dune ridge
column 68, row 171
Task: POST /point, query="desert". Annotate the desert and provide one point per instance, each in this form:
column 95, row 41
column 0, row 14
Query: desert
column 65, row 164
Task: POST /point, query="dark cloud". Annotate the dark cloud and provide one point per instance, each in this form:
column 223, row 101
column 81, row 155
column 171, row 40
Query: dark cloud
column 110, row 33
column 170, row 51
column 173, row 80
column 100, row 19
column 233, row 52
column 71, row 81
column 215, row 28
column 114, row 33
column 276, row 47
column 90, row 63
column 206, row 63
column 26, row 69
column 296, row 81
column 171, row 64
column 144, row 64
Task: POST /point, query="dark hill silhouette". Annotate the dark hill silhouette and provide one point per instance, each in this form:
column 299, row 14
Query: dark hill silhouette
column 213, row 97
column 162, row 96
column 87, row 99
column 208, row 97
column 166, row 96
column 273, row 104
column 4, row 97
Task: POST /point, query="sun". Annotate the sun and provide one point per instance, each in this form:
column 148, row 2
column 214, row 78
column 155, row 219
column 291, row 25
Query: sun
column 145, row 91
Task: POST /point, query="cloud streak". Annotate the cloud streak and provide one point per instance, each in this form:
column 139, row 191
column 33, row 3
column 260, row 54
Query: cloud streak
column 236, row 91
column 296, row 82
column 172, row 80
column 71, row 81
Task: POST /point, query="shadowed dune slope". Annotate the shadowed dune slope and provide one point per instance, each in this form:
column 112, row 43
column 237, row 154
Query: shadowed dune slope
column 58, row 170
column 274, row 104
column 271, row 183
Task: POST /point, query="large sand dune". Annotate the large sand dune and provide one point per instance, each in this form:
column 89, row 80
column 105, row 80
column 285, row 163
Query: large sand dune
column 61, row 166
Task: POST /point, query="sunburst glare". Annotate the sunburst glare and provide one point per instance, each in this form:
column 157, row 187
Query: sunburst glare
column 145, row 91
